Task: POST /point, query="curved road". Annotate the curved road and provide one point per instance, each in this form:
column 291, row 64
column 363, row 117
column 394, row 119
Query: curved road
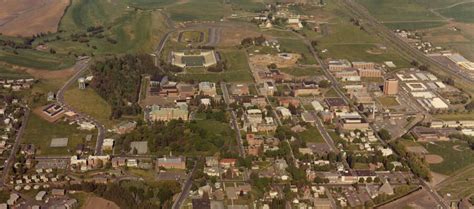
column 80, row 67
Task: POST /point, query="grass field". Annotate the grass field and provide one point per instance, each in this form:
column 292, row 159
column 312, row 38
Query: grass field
column 455, row 116
column 192, row 36
column 36, row 59
column 388, row 101
column 460, row 185
column 7, row 73
column 297, row 46
column 150, row 4
column 311, row 135
column 414, row 25
column 456, row 155
column 238, row 69
column 438, row 3
column 40, row 132
column 400, row 10
column 301, row 72
column 461, row 13
column 204, row 10
column 89, row 102
column 248, row 5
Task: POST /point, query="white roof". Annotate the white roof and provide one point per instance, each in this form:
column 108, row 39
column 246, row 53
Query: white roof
column 317, row 106
column 438, row 103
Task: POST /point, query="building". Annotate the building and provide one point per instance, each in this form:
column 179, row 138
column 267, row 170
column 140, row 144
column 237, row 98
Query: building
column 239, row 89
column 370, row 73
column 208, row 89
column 158, row 113
column 390, row 86
column 227, row 162
column 108, row 144
column 363, row 65
column 336, row 104
column 171, row 162
column 339, row 65
column 139, row 147
column 269, row 88
column 193, row 59
column 254, row 144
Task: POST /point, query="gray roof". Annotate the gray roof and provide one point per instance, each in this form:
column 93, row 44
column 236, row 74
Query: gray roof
column 140, row 146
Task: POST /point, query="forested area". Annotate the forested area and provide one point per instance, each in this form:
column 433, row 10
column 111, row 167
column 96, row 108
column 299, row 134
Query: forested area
column 133, row 194
column 117, row 80
column 176, row 135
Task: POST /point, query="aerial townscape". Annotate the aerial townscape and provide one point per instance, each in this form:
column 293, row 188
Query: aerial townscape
column 236, row 104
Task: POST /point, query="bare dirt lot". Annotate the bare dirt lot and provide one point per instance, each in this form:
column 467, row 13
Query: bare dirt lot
column 41, row 74
column 99, row 203
column 433, row 159
column 418, row 199
column 29, row 17
column 233, row 36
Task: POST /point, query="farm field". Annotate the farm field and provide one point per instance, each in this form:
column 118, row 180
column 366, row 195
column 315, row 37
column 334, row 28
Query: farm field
column 36, row 59
column 400, row 10
column 16, row 16
column 8, row 73
column 461, row 12
column 40, row 132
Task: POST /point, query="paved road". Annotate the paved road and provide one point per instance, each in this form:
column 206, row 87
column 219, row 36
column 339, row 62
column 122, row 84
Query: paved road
column 234, row 120
column 185, row 190
column 16, row 145
column 80, row 67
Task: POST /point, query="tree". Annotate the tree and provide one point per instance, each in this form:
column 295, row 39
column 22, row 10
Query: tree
column 384, row 134
column 369, row 180
column 361, row 180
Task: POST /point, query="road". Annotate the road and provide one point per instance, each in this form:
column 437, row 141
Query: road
column 185, row 190
column 80, row 67
column 16, row 145
column 235, row 124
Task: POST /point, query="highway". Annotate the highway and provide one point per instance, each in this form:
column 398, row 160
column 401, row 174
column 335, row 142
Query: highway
column 16, row 145
column 80, row 67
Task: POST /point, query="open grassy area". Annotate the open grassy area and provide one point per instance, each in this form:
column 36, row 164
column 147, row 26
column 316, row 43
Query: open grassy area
column 388, row 101
column 40, row 132
column 237, row 69
column 297, row 46
column 461, row 13
column 301, row 72
column 414, row 25
column 36, row 59
column 89, row 102
column 438, row 3
column 400, row 10
column 460, row 185
column 456, row 155
column 248, row 5
column 455, row 116
column 150, row 4
column 192, row 36
column 7, row 73
column 311, row 135
column 199, row 10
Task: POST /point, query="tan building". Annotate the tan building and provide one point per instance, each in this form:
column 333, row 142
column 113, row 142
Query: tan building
column 158, row 113
column 390, row 86
column 369, row 73
column 363, row 65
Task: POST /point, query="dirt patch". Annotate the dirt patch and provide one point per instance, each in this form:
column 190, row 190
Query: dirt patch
column 42, row 74
column 433, row 159
column 418, row 199
column 30, row 17
column 99, row 203
column 457, row 148
column 283, row 60
column 437, row 178
column 231, row 36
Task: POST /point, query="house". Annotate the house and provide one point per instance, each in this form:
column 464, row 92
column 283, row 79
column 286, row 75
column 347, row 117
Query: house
column 13, row 199
column 386, row 188
column 211, row 161
column 171, row 162
column 284, row 112
column 108, row 144
column 287, row 101
column 239, row 89
column 227, row 162
column 40, row 195
column 254, row 144
column 119, row 162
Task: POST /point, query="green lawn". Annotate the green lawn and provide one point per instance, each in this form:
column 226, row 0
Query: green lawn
column 40, row 132
column 455, row 116
column 301, row 72
column 311, row 135
column 36, row 59
column 461, row 13
column 414, row 25
column 460, row 185
column 453, row 159
column 192, row 36
column 204, row 10
column 297, row 46
column 150, row 4
column 7, row 73
column 248, row 5
column 388, row 101
column 398, row 10
column 89, row 102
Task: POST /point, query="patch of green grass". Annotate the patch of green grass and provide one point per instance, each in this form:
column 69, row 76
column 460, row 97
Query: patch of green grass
column 248, row 5
column 311, row 135
column 461, row 13
column 437, row 3
column 192, row 36
column 40, row 132
column 297, row 46
column 400, row 10
column 203, row 10
column 331, row 93
column 236, row 60
column 150, row 4
column 346, row 33
column 453, row 159
column 36, row 59
column 7, row 73
column 455, row 116
column 301, row 72
column 459, row 185
column 388, row 101
column 89, row 102
column 414, row 25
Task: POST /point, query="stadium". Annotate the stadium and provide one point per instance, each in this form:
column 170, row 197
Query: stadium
column 193, row 59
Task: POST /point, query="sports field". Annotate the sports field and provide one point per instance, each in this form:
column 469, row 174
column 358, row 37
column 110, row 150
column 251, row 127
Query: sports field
column 455, row 156
column 459, row 185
